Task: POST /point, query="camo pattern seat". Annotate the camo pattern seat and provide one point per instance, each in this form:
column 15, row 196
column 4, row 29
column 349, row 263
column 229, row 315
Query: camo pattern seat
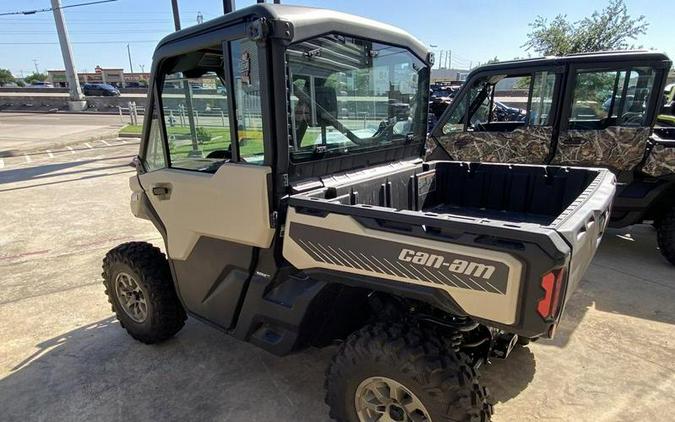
column 528, row 145
column 660, row 161
column 618, row 148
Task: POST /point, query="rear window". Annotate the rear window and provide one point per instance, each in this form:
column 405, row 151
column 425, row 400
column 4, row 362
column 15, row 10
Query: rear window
column 350, row 95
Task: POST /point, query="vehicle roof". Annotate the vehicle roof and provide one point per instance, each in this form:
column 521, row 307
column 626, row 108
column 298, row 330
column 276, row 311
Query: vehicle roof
column 595, row 57
column 306, row 22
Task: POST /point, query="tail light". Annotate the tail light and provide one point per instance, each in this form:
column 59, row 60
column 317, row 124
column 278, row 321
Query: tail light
column 552, row 284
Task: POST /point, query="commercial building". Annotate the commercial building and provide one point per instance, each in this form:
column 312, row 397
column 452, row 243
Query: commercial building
column 115, row 77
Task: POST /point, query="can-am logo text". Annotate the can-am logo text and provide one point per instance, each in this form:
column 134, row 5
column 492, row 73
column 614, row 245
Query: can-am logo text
column 459, row 266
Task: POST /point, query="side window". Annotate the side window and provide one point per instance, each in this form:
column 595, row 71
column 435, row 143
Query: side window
column 500, row 103
column 244, row 59
column 154, row 153
column 541, row 101
column 195, row 112
column 611, row 98
column 639, row 88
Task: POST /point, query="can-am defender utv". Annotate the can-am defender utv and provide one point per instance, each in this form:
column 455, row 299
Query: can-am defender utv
column 591, row 109
column 281, row 160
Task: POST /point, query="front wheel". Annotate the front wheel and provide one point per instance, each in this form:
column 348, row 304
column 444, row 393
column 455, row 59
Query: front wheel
column 138, row 283
column 665, row 234
column 396, row 373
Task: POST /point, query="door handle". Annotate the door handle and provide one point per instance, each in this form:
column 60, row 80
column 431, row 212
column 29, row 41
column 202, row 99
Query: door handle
column 161, row 191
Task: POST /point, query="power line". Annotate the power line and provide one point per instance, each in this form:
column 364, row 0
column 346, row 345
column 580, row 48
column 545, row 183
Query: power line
column 32, row 12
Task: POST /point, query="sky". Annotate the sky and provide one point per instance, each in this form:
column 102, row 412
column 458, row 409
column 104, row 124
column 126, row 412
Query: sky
column 474, row 30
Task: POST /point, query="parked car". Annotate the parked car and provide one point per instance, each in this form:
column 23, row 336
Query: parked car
column 100, row 90
column 41, row 84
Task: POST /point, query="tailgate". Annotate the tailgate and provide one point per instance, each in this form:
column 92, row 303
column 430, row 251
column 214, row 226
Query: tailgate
column 584, row 222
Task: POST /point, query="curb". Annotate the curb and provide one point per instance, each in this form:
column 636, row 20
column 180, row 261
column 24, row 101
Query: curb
column 102, row 113
column 128, row 135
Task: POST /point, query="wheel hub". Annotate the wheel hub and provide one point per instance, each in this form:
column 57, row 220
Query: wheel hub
column 386, row 400
column 130, row 297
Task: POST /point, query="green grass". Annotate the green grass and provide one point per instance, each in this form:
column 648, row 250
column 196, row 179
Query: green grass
column 132, row 130
column 220, row 140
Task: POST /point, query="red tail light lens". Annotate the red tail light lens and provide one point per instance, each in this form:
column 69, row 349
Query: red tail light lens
column 552, row 283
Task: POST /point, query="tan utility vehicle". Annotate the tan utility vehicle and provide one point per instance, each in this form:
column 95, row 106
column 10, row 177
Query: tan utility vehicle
column 281, row 161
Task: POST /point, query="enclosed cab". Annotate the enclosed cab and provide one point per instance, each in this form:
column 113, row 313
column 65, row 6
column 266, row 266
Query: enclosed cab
column 282, row 161
column 592, row 109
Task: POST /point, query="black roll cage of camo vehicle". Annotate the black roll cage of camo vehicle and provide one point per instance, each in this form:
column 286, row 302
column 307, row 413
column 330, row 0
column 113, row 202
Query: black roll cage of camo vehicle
column 563, row 125
column 282, row 162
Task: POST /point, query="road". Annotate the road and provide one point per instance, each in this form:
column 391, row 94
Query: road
column 64, row 357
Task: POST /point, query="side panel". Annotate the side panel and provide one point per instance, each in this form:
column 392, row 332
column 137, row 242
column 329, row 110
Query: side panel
column 483, row 282
column 528, row 145
column 661, row 160
column 620, row 148
column 212, row 278
column 231, row 205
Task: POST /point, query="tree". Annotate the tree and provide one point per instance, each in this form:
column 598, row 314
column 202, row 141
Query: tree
column 609, row 29
column 35, row 76
column 5, row 77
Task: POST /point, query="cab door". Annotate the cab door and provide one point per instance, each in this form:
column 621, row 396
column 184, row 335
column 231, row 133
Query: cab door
column 503, row 116
column 606, row 120
column 207, row 174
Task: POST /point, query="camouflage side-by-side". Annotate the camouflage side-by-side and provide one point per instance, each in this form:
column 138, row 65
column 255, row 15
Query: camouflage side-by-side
column 524, row 145
column 619, row 148
column 660, row 161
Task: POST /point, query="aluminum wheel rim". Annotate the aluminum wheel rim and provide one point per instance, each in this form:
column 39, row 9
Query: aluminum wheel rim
column 383, row 399
column 131, row 297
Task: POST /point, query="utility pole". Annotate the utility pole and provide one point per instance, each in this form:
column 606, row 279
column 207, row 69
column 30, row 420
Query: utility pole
column 131, row 66
column 176, row 16
column 200, row 18
column 142, row 68
column 76, row 102
column 188, row 92
column 35, row 62
column 449, row 59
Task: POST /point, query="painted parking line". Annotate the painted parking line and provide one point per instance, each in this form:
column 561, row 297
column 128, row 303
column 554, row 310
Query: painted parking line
column 88, row 145
column 107, row 144
column 27, row 157
column 49, row 152
column 72, row 151
column 2, row 163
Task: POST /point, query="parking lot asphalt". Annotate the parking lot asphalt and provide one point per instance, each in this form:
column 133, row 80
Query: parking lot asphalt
column 63, row 356
column 28, row 132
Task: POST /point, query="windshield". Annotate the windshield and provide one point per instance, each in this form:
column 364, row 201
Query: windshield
column 349, row 95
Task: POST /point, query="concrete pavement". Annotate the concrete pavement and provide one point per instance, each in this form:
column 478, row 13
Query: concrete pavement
column 64, row 357
column 26, row 132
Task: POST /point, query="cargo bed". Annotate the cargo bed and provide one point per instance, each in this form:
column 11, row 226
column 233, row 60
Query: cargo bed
column 519, row 221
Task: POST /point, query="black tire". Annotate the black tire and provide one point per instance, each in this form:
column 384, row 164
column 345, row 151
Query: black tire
column 444, row 381
column 149, row 268
column 665, row 234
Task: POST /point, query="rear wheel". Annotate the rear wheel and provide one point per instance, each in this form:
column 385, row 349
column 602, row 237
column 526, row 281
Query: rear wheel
column 138, row 283
column 396, row 373
column 665, row 234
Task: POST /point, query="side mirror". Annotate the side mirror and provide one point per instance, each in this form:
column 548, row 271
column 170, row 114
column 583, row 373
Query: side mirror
column 136, row 163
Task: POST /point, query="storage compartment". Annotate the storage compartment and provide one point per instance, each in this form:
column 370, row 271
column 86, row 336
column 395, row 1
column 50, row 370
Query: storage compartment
column 513, row 193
